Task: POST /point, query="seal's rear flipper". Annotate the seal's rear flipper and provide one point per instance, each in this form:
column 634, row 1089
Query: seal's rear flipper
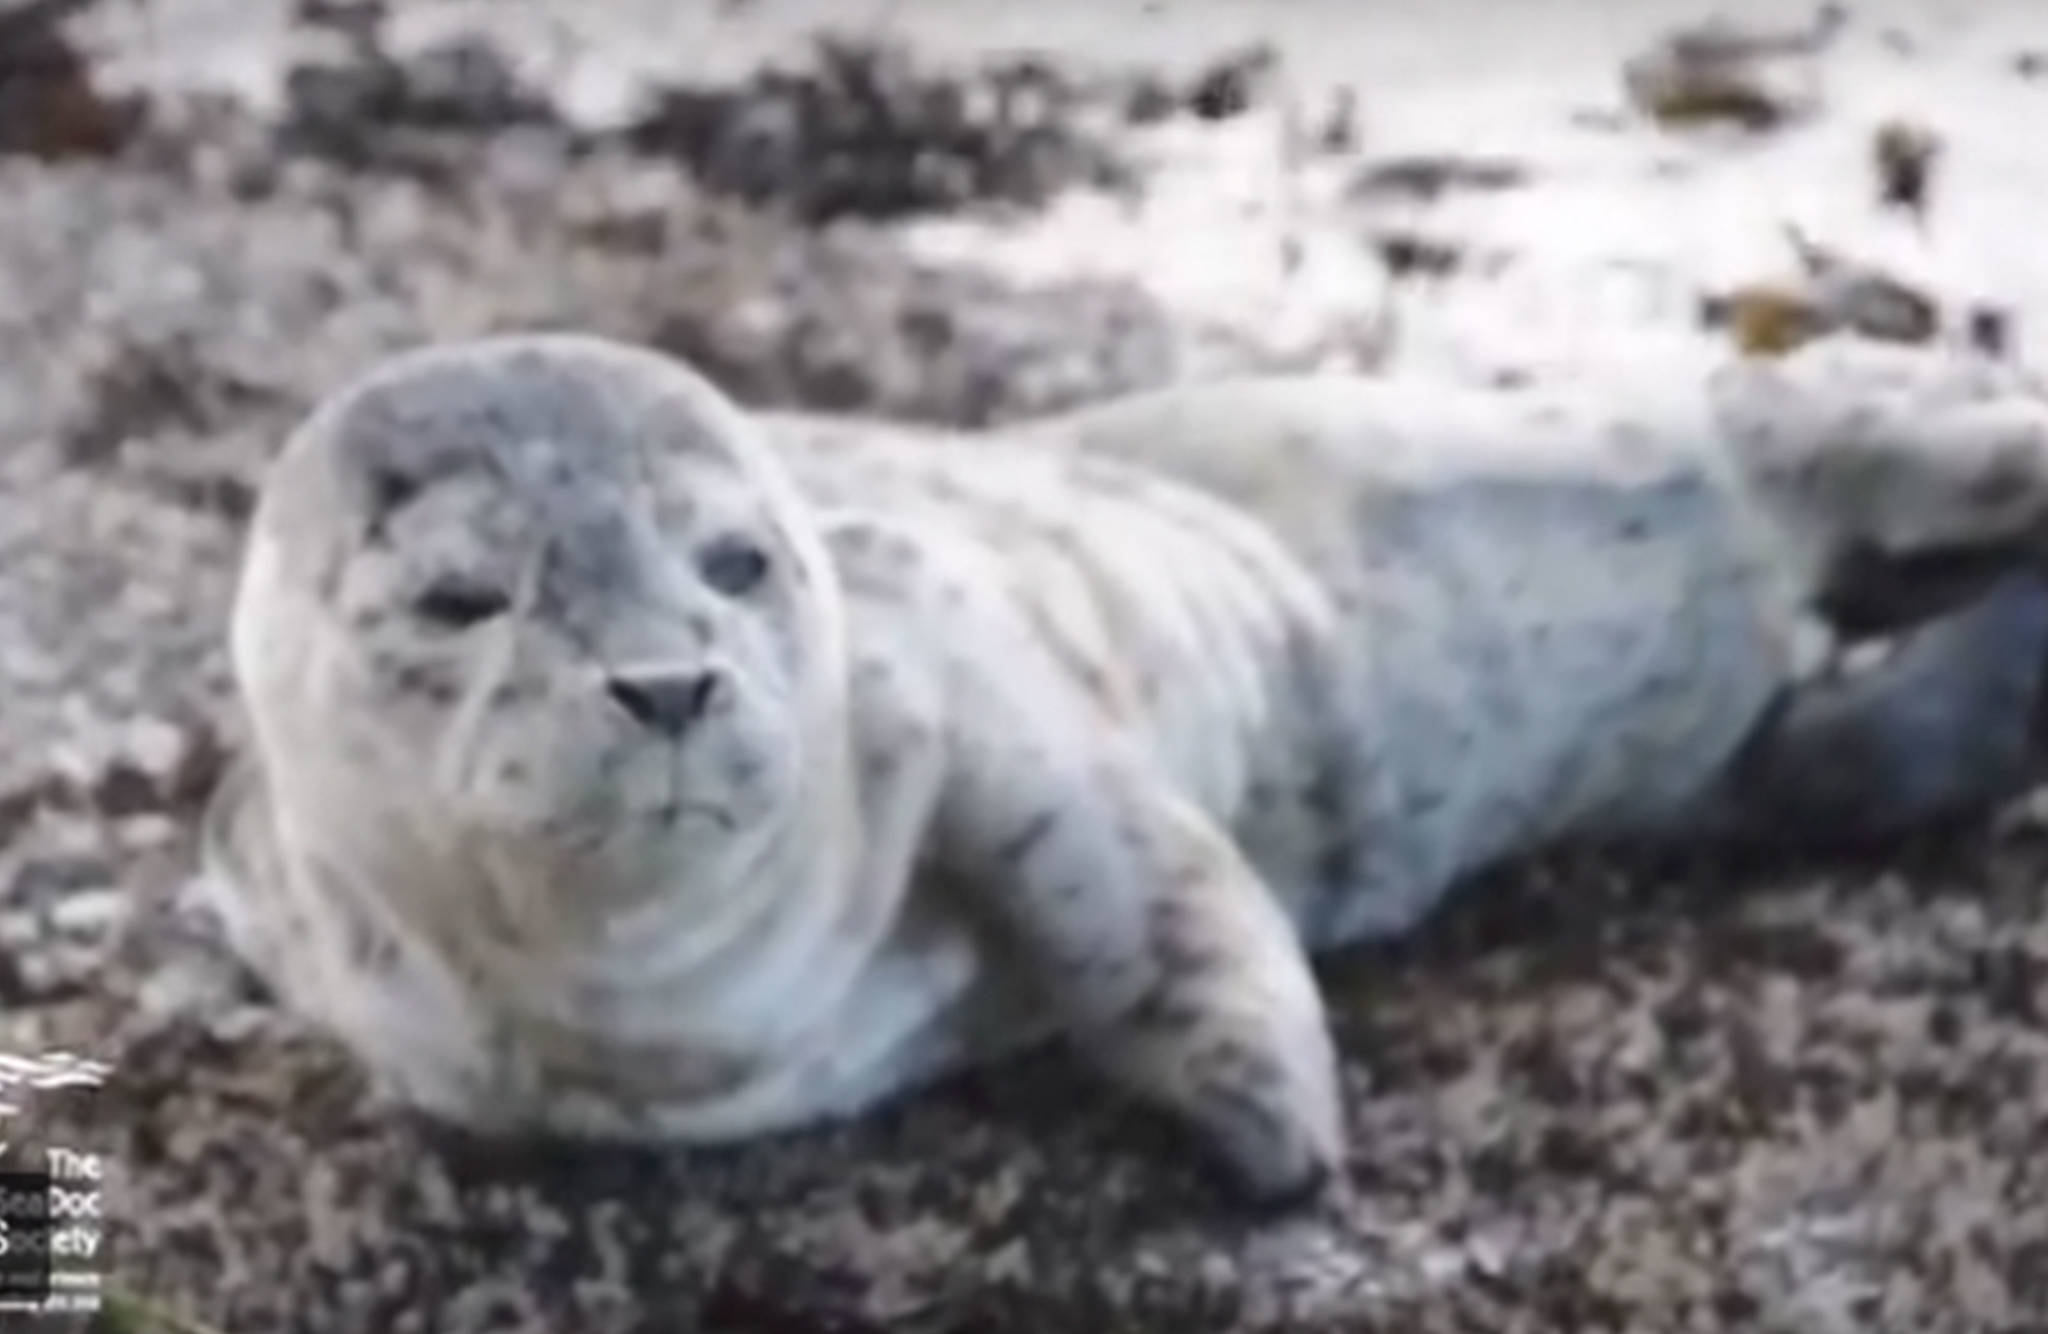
column 1867, row 593
column 1890, row 473
column 1941, row 729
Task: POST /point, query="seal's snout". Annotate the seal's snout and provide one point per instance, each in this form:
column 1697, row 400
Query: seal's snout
column 666, row 700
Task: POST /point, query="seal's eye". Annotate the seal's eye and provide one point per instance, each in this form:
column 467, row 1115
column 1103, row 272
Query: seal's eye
column 456, row 604
column 733, row 565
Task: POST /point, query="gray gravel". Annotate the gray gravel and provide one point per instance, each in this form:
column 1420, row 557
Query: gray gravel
column 1705, row 1098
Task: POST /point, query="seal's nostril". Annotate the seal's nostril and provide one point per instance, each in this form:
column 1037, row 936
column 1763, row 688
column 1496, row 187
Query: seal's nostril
column 667, row 702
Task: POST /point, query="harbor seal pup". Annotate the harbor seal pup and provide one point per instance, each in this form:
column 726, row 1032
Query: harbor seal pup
column 624, row 764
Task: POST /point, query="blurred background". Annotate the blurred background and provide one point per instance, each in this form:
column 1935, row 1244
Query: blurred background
column 1707, row 1099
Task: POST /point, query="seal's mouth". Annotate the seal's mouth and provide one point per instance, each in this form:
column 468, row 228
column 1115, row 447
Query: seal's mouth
column 672, row 813
column 592, row 828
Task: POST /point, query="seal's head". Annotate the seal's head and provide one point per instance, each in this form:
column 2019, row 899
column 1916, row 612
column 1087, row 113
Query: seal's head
column 545, row 603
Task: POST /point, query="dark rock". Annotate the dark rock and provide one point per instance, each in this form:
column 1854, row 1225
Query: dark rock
column 1427, row 176
column 140, row 387
column 1338, row 132
column 1150, row 99
column 1990, row 330
column 1410, row 254
column 411, row 114
column 1718, row 71
column 862, row 131
column 1904, row 156
column 50, row 106
column 1230, row 85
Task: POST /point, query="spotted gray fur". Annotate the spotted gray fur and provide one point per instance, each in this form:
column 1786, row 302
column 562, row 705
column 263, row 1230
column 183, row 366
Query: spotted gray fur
column 1097, row 729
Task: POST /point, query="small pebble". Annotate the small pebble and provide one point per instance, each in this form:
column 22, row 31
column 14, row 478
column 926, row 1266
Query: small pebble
column 91, row 912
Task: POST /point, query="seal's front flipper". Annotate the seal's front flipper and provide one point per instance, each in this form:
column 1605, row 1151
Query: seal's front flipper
column 1136, row 923
column 1144, row 931
column 243, row 873
column 1167, row 961
column 1231, row 1034
column 1943, row 727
